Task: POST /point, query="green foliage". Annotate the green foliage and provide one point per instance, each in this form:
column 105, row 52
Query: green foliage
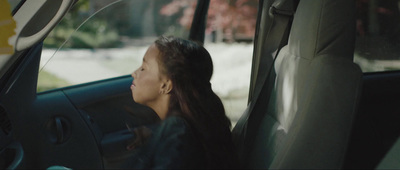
column 95, row 33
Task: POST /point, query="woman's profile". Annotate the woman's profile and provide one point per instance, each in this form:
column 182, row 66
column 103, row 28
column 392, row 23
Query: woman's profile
column 174, row 80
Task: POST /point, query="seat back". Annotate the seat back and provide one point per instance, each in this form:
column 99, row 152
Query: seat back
column 314, row 91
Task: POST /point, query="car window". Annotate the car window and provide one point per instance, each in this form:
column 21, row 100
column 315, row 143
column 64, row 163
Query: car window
column 378, row 35
column 13, row 3
column 229, row 39
column 103, row 39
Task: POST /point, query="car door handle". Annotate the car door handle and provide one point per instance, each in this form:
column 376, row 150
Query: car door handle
column 58, row 129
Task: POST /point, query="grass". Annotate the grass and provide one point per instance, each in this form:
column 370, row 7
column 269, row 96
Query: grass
column 48, row 81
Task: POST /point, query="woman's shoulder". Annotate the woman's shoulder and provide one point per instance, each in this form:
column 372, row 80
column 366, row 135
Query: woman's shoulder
column 177, row 129
column 175, row 124
column 177, row 146
column 175, row 120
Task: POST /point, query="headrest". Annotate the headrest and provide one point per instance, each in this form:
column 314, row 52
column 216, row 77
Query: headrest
column 323, row 27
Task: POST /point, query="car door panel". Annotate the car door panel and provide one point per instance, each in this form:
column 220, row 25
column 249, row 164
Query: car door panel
column 49, row 127
column 109, row 108
column 376, row 127
column 76, row 127
column 110, row 104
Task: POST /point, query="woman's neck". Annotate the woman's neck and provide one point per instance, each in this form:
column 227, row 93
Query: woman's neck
column 161, row 107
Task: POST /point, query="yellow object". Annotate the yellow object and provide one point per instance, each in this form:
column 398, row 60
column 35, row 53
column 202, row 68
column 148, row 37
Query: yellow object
column 7, row 26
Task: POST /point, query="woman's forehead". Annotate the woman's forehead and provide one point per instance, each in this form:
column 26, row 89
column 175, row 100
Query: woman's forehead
column 151, row 53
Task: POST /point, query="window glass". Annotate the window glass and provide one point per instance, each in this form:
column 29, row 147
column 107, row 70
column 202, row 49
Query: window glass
column 13, row 3
column 104, row 39
column 107, row 38
column 378, row 35
column 229, row 39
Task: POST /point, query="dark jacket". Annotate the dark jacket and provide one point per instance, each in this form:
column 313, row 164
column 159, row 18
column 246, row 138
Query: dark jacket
column 173, row 145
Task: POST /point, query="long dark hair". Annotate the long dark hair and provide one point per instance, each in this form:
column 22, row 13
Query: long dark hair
column 189, row 66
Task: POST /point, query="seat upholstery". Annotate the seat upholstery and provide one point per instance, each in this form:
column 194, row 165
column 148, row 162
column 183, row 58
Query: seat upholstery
column 314, row 94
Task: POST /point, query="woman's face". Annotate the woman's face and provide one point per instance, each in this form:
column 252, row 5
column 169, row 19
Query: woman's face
column 147, row 81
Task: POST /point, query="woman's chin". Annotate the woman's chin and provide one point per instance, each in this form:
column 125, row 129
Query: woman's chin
column 134, row 99
column 137, row 101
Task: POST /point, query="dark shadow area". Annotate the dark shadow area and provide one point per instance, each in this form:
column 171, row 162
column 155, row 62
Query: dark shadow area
column 376, row 125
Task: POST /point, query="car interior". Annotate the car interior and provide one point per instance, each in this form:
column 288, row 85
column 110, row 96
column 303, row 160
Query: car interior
column 303, row 115
column 309, row 105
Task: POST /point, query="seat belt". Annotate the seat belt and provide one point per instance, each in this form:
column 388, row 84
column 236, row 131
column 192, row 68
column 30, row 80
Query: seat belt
column 280, row 29
column 283, row 20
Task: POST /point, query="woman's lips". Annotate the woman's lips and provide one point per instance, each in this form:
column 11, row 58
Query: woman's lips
column 133, row 85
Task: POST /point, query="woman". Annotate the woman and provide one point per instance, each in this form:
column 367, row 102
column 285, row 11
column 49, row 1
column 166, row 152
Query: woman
column 174, row 80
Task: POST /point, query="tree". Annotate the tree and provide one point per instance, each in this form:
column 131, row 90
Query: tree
column 227, row 20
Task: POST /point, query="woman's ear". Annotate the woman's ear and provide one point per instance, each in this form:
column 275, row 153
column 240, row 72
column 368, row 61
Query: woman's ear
column 166, row 87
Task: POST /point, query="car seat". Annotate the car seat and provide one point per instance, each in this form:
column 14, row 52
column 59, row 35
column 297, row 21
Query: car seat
column 303, row 115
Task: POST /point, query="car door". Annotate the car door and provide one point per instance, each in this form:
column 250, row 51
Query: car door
column 375, row 137
column 82, row 125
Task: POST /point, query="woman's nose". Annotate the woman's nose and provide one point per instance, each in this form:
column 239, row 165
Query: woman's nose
column 134, row 74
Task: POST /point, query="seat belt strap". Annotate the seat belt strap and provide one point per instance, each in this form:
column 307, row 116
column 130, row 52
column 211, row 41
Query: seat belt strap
column 282, row 22
column 280, row 28
column 264, row 91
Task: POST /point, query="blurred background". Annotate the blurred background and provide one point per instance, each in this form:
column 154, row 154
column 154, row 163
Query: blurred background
column 106, row 38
